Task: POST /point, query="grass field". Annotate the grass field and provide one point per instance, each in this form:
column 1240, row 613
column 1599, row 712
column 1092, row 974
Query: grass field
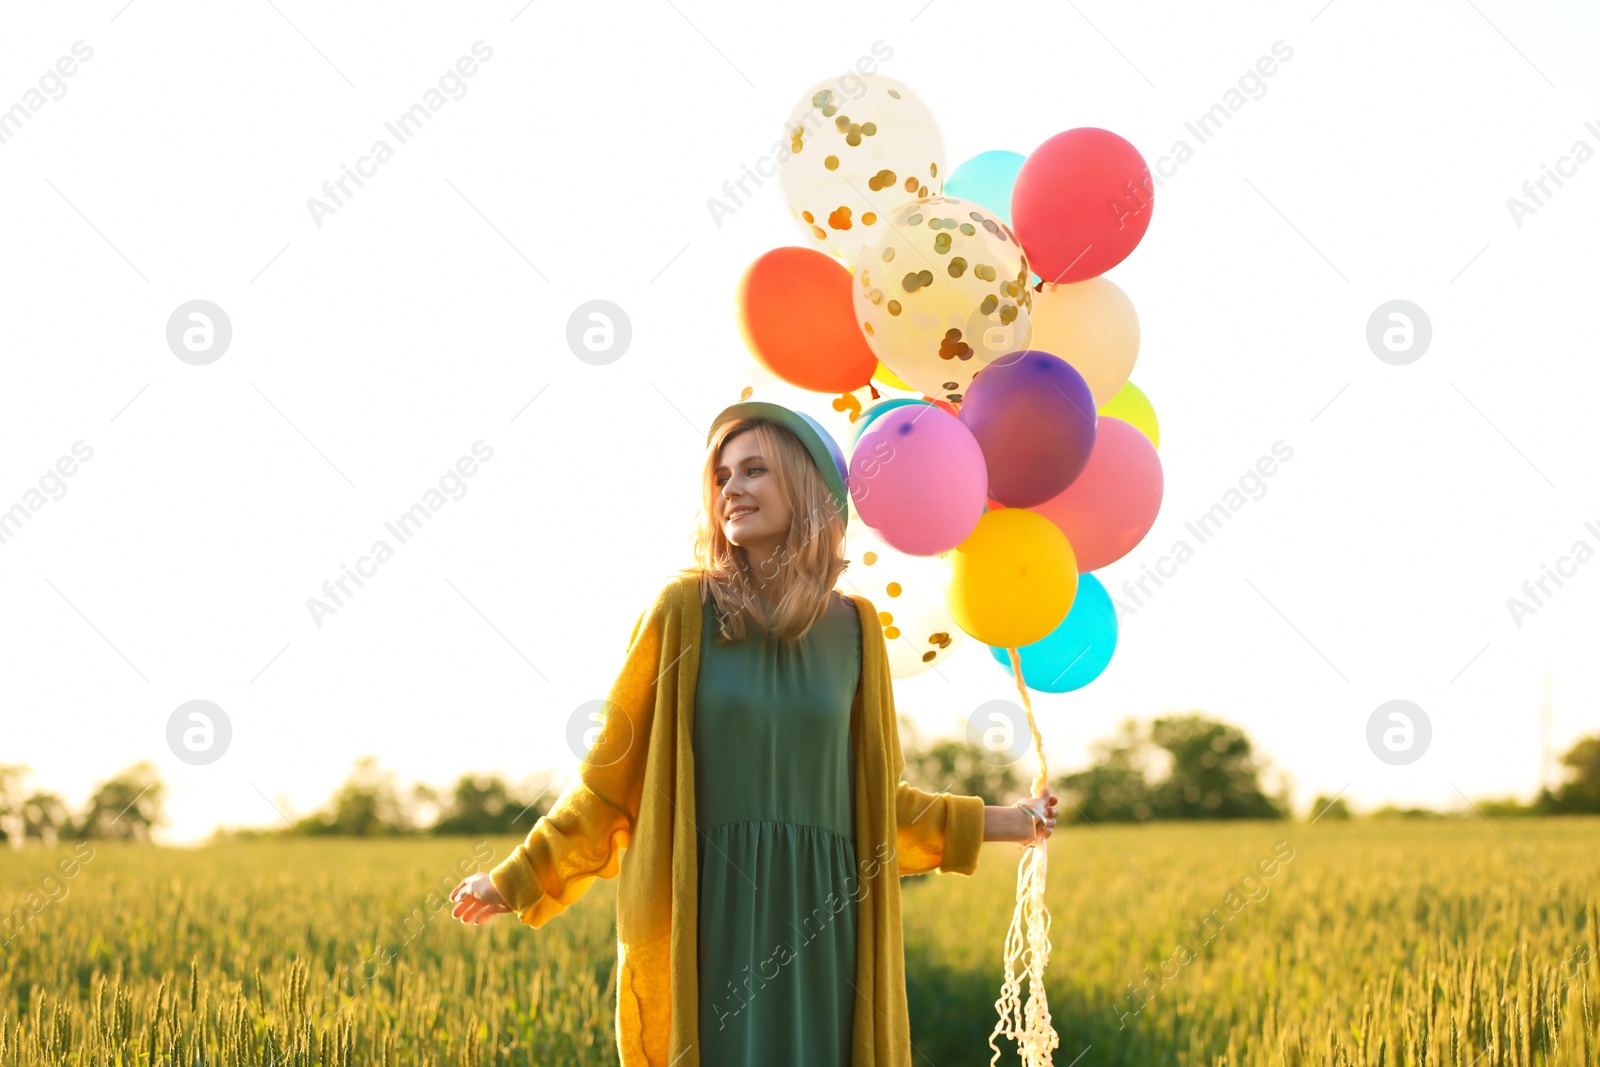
column 1399, row 942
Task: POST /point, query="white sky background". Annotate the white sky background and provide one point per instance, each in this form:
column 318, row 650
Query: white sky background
column 177, row 565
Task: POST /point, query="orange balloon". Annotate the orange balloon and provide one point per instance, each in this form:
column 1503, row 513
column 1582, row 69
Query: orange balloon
column 797, row 316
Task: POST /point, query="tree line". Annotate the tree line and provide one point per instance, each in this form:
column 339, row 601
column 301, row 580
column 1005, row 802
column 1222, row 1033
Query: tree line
column 124, row 807
column 1175, row 767
column 132, row 803
column 1192, row 766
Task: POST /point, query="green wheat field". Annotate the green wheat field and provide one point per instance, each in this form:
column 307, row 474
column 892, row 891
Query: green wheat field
column 1447, row 942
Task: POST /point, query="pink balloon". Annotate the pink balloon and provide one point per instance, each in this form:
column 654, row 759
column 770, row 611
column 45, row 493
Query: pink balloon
column 918, row 478
column 1110, row 506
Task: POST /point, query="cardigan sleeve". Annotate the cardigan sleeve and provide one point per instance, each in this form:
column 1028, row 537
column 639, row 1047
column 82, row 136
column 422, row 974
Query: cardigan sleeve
column 933, row 831
column 937, row 831
column 582, row 836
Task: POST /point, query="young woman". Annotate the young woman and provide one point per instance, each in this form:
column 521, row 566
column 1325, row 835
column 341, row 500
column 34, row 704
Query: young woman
column 754, row 718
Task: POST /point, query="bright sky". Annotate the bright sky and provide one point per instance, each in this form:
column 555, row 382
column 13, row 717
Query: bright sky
column 373, row 346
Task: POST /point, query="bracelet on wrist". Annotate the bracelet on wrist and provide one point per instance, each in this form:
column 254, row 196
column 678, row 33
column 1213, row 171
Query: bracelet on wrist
column 1035, row 820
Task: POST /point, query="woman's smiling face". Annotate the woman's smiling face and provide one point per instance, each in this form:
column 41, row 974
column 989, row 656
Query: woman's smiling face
column 754, row 512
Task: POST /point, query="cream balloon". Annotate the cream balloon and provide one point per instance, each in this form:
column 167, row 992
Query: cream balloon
column 853, row 155
column 942, row 293
column 909, row 593
column 1092, row 325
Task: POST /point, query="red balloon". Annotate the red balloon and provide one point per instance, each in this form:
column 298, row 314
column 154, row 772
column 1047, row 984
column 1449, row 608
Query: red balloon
column 798, row 318
column 1081, row 203
column 1109, row 508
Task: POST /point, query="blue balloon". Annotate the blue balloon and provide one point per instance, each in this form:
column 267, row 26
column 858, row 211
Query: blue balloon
column 1077, row 651
column 986, row 179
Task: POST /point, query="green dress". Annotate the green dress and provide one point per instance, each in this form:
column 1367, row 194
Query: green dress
column 774, row 806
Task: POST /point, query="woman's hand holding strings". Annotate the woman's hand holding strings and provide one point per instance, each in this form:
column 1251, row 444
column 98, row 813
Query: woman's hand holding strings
column 1027, row 822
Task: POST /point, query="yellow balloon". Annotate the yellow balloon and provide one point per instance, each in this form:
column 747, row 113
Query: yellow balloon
column 890, row 378
column 1132, row 406
column 1013, row 580
column 1092, row 325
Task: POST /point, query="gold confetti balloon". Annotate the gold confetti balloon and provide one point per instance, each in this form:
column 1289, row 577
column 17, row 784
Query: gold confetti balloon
column 855, row 153
column 942, row 292
column 909, row 593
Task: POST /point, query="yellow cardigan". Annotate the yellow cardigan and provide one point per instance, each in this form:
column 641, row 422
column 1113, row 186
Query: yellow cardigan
column 633, row 804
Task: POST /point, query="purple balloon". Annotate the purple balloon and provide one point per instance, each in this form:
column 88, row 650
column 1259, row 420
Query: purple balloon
column 1034, row 416
column 918, row 478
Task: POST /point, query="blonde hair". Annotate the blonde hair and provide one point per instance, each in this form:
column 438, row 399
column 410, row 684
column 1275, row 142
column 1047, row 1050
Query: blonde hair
column 810, row 560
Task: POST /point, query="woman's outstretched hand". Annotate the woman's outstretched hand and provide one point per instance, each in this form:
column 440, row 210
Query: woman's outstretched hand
column 477, row 900
column 1008, row 822
column 1045, row 808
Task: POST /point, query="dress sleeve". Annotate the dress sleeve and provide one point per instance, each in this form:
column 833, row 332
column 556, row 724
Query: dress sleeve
column 582, row 836
column 933, row 831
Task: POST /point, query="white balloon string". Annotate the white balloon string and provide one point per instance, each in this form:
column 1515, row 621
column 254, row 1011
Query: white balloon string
column 1028, row 939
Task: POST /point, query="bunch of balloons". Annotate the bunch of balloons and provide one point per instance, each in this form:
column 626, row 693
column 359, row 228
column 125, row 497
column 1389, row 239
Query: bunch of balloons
column 1023, row 459
column 979, row 359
